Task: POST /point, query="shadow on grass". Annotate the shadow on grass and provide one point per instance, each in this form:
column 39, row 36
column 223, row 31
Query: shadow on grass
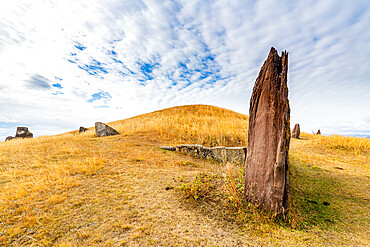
column 321, row 197
column 319, row 201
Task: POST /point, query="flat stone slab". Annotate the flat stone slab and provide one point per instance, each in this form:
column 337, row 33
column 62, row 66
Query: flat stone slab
column 169, row 148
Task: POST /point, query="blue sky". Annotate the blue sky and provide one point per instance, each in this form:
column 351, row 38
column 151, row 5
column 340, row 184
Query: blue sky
column 66, row 64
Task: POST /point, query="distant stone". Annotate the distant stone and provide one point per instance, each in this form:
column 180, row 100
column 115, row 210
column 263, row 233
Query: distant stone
column 296, row 131
column 23, row 132
column 104, row 130
column 266, row 170
column 9, row 138
column 82, row 129
column 318, row 132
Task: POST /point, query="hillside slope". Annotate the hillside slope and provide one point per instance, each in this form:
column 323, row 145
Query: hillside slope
column 80, row 190
column 201, row 124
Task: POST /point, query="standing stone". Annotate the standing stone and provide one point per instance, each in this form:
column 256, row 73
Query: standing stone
column 104, row 130
column 296, row 131
column 266, row 170
column 23, row 132
column 318, row 132
column 82, row 129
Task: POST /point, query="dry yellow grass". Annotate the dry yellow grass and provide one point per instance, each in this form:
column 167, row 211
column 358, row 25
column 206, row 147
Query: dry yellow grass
column 201, row 124
column 80, row 190
column 354, row 144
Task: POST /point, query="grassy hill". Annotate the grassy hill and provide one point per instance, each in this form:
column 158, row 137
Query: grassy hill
column 79, row 190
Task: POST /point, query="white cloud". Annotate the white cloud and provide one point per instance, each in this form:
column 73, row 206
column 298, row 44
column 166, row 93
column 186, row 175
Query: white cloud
column 147, row 55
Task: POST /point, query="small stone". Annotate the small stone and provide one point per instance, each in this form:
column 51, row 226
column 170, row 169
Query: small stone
column 9, row 138
column 326, row 203
column 23, row 132
column 296, row 131
column 104, row 130
column 82, row 129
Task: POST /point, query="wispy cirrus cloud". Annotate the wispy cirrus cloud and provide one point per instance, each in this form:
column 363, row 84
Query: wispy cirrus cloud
column 38, row 82
column 100, row 96
column 115, row 59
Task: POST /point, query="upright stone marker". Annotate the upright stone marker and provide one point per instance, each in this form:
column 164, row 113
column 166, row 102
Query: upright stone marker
column 266, row 170
column 296, row 131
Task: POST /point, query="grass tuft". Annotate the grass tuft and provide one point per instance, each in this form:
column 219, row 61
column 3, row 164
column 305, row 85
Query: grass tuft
column 198, row 189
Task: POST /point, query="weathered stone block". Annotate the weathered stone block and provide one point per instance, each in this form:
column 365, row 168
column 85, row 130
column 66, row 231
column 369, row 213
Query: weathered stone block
column 236, row 154
column 104, row 130
column 23, row 132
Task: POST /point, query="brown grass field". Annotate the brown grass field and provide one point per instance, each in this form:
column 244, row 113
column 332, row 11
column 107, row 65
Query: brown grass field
column 80, row 190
